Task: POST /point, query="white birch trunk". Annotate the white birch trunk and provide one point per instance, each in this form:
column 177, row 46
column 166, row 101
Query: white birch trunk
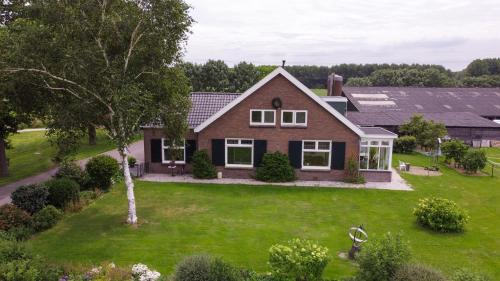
column 132, row 214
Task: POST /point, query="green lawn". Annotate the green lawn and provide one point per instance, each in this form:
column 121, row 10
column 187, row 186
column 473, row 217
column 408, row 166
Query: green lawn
column 240, row 223
column 319, row 92
column 31, row 153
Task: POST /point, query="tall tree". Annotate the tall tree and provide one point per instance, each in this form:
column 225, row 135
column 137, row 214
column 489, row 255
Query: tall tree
column 111, row 55
column 243, row 76
column 214, row 76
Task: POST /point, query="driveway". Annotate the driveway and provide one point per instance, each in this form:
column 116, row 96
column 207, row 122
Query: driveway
column 136, row 150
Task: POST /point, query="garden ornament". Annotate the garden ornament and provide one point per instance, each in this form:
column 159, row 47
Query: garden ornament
column 358, row 236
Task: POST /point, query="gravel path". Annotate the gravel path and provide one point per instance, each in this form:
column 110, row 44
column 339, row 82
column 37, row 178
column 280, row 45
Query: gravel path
column 136, row 149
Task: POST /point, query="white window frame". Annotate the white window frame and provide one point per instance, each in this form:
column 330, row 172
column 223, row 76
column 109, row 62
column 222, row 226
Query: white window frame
column 368, row 145
column 239, row 144
column 294, row 119
column 163, row 147
column 262, row 123
column 316, row 149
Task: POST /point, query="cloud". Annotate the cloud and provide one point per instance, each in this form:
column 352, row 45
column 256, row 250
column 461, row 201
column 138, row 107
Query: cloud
column 449, row 32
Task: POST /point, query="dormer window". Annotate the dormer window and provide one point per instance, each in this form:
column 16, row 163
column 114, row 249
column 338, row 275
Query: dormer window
column 294, row 118
column 262, row 117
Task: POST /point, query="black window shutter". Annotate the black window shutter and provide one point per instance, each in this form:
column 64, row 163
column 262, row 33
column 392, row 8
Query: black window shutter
column 338, row 155
column 259, row 149
column 156, row 150
column 295, row 153
column 218, row 152
column 190, row 149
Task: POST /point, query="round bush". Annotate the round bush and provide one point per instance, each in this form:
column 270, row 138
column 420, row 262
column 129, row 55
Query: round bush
column 405, row 144
column 12, row 217
column 381, row 258
column 441, row 215
column 202, row 166
column 275, row 167
column 101, row 170
column 298, row 260
column 415, row 272
column 204, row 268
column 31, row 198
column 473, row 161
column 62, row 192
column 71, row 170
column 46, row 218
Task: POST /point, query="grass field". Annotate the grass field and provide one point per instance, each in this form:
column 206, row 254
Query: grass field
column 319, row 92
column 31, row 153
column 240, row 223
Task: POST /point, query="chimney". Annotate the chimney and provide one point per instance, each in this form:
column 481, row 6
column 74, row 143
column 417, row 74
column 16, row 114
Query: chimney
column 334, row 85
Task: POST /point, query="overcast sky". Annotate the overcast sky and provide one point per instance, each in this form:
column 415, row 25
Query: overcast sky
column 326, row 32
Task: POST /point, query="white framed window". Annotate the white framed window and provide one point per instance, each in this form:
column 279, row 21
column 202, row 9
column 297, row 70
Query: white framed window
column 239, row 153
column 262, row 117
column 316, row 154
column 167, row 147
column 294, row 118
column 375, row 155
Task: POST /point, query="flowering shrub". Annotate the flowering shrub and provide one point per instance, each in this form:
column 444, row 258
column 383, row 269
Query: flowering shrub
column 300, row 259
column 13, row 217
column 141, row 272
column 440, row 215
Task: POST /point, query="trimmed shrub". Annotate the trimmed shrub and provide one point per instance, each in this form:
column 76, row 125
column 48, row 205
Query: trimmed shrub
column 46, row 218
column 381, row 258
column 415, row 272
column 468, row 275
column 405, row 144
column 204, row 268
column 441, row 215
column 62, row 192
column 101, row 169
column 473, row 161
column 352, row 172
column 131, row 161
column 31, row 198
column 298, row 260
column 202, row 166
column 12, row 216
column 70, row 170
column 275, row 167
column 454, row 150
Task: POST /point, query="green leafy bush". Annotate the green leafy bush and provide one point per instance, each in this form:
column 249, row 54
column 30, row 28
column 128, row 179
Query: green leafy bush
column 381, row 258
column 469, row 275
column 46, row 218
column 352, row 172
column 204, row 268
column 275, row 167
column 62, row 192
column 405, row 144
column 441, row 215
column 473, row 161
column 12, row 216
column 31, row 198
column 202, row 166
column 101, row 169
column 415, row 272
column 131, row 161
column 298, row 260
column 70, row 170
column 454, row 150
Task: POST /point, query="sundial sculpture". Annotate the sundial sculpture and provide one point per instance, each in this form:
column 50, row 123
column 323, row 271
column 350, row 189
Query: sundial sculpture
column 358, row 236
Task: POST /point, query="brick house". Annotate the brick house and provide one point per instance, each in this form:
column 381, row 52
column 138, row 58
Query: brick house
column 277, row 114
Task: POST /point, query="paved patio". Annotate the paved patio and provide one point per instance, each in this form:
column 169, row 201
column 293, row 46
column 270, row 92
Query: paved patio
column 397, row 182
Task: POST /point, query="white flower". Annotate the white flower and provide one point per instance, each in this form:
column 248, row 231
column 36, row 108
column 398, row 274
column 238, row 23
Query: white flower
column 112, row 265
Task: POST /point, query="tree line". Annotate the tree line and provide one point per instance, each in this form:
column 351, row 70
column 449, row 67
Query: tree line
column 216, row 75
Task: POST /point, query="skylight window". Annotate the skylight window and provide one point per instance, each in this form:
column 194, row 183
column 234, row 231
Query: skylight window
column 419, row 106
column 447, row 106
column 370, row 96
column 377, row 102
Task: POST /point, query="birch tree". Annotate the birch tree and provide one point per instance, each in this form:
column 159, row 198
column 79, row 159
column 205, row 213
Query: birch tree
column 114, row 56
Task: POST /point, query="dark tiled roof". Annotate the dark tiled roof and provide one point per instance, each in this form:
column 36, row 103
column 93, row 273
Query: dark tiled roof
column 377, row 131
column 203, row 105
column 394, row 118
column 482, row 101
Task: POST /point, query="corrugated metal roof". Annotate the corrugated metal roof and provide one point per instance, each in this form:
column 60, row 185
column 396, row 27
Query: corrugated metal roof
column 393, row 118
column 481, row 101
